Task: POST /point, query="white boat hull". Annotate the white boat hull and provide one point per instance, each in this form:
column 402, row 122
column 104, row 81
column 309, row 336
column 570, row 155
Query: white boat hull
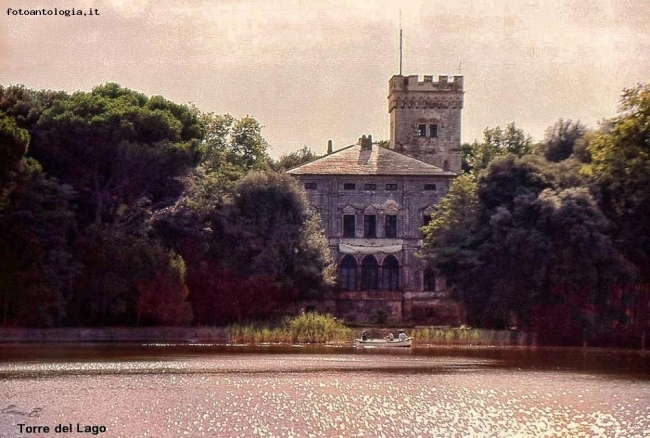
column 382, row 343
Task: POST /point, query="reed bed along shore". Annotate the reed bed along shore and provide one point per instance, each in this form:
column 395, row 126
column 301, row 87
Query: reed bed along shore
column 471, row 337
column 306, row 328
column 314, row 328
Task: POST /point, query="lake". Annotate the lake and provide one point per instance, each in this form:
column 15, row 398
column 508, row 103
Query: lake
column 205, row 390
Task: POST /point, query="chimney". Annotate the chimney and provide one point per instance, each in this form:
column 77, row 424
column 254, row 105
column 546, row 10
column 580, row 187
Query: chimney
column 329, row 147
column 366, row 143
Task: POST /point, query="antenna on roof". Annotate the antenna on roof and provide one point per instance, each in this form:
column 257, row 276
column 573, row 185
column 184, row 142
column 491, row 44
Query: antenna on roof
column 400, row 42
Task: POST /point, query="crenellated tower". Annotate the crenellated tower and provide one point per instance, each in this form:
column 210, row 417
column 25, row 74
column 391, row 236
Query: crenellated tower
column 425, row 118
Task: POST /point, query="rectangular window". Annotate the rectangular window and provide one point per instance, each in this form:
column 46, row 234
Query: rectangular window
column 370, row 186
column 349, row 186
column 426, row 219
column 433, row 131
column 348, row 225
column 429, row 280
column 391, row 186
column 391, row 226
column 370, row 226
column 422, row 130
column 311, row 186
column 429, row 187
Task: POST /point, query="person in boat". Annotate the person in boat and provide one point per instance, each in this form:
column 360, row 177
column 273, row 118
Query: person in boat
column 364, row 336
column 402, row 336
column 390, row 337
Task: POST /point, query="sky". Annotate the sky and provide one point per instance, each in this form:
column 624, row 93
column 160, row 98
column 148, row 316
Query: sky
column 310, row 71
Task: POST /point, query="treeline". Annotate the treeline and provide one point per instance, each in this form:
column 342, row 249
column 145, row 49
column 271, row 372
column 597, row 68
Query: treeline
column 122, row 209
column 553, row 236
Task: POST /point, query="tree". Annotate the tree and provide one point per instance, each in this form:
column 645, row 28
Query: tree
column 117, row 260
column 519, row 244
column 552, row 251
column 620, row 169
column 162, row 299
column 13, row 146
column 186, row 225
column 509, row 177
column 129, row 192
column 37, row 266
column 584, row 267
column 221, row 296
column 25, row 106
column 116, row 146
column 275, row 233
column 232, row 147
column 266, row 250
column 450, row 234
column 295, row 159
column 562, row 138
column 314, row 274
column 496, row 142
column 272, row 215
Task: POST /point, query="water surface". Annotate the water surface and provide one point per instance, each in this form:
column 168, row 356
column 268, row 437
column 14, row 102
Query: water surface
column 180, row 390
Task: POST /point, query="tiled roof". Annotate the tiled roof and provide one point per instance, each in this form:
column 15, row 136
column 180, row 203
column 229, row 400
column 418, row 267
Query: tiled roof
column 378, row 161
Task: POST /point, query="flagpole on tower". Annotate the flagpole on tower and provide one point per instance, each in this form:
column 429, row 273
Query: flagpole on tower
column 400, row 42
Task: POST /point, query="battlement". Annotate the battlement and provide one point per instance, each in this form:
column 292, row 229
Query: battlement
column 413, row 83
column 425, row 118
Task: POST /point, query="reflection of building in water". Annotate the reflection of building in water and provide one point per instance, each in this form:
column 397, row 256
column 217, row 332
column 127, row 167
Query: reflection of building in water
column 373, row 201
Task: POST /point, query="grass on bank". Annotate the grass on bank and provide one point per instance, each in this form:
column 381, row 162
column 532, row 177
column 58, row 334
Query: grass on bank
column 306, row 328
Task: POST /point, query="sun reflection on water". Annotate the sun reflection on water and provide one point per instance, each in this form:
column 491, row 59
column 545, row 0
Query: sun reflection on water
column 309, row 394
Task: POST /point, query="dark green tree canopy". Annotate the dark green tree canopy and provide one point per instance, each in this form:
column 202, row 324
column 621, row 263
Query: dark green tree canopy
column 277, row 234
column 13, row 145
column 38, row 268
column 521, row 240
column 116, row 146
column 620, row 168
column 265, row 249
column 562, row 139
column 25, row 106
column 509, row 177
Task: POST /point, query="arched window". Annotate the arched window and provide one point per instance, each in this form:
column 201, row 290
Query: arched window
column 369, row 273
column 348, row 274
column 390, row 273
column 429, row 280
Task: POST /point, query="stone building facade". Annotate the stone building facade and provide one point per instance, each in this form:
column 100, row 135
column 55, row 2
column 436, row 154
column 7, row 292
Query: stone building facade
column 373, row 201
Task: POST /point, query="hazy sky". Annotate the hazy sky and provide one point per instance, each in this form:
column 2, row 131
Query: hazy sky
column 315, row 70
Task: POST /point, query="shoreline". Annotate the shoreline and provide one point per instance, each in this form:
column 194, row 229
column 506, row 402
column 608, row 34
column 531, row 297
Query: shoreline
column 423, row 337
column 114, row 334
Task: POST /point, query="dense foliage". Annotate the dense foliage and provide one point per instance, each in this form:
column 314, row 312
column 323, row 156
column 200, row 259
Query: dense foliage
column 118, row 208
column 620, row 167
column 295, row 159
column 552, row 236
column 496, row 142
